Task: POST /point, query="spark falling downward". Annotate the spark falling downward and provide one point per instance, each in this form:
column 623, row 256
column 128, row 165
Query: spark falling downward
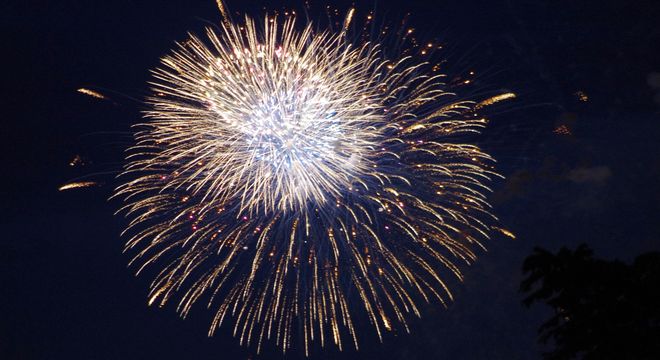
column 91, row 93
column 77, row 185
column 297, row 182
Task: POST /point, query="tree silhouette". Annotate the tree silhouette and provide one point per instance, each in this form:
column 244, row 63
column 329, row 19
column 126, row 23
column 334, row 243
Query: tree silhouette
column 603, row 309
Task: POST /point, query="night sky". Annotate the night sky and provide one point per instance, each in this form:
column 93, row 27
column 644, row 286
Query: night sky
column 579, row 148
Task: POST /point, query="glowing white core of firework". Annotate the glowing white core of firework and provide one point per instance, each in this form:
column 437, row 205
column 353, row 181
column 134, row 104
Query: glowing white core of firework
column 292, row 143
column 279, row 133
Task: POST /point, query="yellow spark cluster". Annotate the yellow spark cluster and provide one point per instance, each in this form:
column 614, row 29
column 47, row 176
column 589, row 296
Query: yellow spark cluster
column 582, row 96
column 295, row 182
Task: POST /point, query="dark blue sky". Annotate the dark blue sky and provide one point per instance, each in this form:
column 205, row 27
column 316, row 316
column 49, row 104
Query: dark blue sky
column 66, row 291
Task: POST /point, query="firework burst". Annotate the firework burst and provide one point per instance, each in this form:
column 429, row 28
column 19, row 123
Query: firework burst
column 292, row 177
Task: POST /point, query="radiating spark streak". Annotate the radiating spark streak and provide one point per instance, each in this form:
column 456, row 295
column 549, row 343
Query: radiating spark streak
column 495, row 99
column 77, row 185
column 504, row 232
column 349, row 18
column 92, row 93
column 301, row 181
column 223, row 11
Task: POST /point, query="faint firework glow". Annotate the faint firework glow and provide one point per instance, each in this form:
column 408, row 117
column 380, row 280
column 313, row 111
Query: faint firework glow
column 562, row 130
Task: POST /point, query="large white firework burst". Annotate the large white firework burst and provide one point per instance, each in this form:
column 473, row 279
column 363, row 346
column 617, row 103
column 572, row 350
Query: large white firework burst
column 293, row 177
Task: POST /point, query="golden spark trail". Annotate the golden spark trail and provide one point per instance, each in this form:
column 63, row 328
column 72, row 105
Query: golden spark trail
column 495, row 99
column 91, row 93
column 504, row 232
column 349, row 18
column 77, row 185
column 223, row 12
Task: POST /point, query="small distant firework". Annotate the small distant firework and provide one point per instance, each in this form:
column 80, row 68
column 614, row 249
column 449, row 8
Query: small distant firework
column 77, row 185
column 297, row 181
column 92, row 93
